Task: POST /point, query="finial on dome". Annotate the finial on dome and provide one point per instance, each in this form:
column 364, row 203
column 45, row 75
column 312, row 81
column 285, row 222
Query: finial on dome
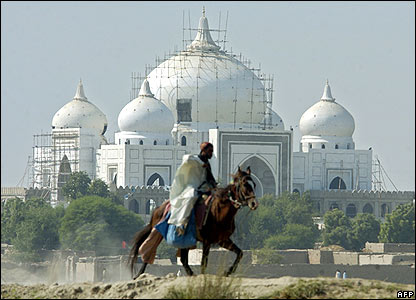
column 80, row 95
column 145, row 89
column 203, row 39
column 327, row 96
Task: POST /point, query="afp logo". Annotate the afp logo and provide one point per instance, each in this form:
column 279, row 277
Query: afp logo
column 405, row 294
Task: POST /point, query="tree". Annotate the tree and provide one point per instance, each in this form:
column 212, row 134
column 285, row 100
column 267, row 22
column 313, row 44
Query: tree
column 12, row 213
column 337, row 229
column 365, row 228
column 271, row 220
column 38, row 230
column 116, row 198
column 30, row 225
column 77, row 185
column 98, row 188
column 98, row 224
column 399, row 226
column 294, row 236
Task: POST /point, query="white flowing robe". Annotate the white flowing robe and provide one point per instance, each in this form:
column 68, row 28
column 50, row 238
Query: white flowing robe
column 183, row 193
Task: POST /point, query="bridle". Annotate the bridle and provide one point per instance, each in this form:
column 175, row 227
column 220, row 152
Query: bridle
column 241, row 198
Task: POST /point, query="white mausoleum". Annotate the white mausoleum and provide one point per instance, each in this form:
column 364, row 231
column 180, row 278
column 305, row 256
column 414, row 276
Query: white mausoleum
column 204, row 93
column 200, row 94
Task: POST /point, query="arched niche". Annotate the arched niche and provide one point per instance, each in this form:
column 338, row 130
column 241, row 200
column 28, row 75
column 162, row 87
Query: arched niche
column 351, row 210
column 183, row 141
column 150, row 206
column 337, row 184
column 134, row 206
column 156, row 179
column 368, row 208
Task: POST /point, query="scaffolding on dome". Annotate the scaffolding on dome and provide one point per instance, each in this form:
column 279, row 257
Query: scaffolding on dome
column 179, row 68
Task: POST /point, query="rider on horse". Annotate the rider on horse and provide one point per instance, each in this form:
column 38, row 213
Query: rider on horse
column 193, row 180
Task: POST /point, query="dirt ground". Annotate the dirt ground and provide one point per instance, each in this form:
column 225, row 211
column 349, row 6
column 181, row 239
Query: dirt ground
column 150, row 287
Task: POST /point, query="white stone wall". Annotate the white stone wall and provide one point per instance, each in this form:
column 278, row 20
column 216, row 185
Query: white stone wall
column 135, row 164
column 268, row 153
column 315, row 169
column 360, row 198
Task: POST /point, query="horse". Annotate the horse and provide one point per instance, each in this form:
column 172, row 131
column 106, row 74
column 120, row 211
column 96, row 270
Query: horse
column 219, row 224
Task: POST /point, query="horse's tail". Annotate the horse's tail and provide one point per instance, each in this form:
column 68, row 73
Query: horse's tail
column 142, row 235
column 138, row 240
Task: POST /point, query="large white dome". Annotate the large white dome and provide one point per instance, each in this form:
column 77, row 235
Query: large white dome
column 146, row 114
column 327, row 118
column 80, row 113
column 219, row 88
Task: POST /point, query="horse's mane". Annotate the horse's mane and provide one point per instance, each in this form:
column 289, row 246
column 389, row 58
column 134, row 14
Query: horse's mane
column 221, row 191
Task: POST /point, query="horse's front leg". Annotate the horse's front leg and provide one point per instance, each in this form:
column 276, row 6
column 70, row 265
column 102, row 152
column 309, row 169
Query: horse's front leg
column 184, row 261
column 228, row 244
column 204, row 261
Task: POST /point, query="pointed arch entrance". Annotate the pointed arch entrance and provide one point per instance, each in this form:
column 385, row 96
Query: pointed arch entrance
column 337, row 184
column 262, row 175
column 156, row 179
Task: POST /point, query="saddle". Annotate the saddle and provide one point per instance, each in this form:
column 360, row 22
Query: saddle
column 202, row 205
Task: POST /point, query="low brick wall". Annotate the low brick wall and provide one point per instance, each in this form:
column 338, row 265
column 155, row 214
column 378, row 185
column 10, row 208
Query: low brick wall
column 385, row 259
column 390, row 247
column 346, row 258
column 320, row 256
column 216, row 256
column 294, row 256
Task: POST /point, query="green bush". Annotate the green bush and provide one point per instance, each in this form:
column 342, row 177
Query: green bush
column 98, row 224
column 337, row 229
column 302, row 290
column 294, row 236
column 284, row 222
column 399, row 226
column 267, row 256
column 365, row 228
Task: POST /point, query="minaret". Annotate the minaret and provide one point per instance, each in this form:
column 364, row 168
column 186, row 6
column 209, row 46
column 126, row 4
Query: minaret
column 80, row 95
column 327, row 96
column 203, row 39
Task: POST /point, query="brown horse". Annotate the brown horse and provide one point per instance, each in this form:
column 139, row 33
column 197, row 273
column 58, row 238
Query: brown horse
column 219, row 224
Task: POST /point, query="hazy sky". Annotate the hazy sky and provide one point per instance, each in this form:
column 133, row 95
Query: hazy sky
column 365, row 49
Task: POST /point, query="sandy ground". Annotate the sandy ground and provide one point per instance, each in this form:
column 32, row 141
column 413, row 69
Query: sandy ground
column 150, row 287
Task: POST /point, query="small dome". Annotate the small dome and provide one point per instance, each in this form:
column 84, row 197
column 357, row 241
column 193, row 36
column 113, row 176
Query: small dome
column 146, row 114
column 80, row 113
column 327, row 118
column 273, row 120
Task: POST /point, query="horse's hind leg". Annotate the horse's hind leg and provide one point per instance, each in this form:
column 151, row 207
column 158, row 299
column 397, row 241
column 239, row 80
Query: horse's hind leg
column 184, row 261
column 228, row 244
column 205, row 252
column 141, row 270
